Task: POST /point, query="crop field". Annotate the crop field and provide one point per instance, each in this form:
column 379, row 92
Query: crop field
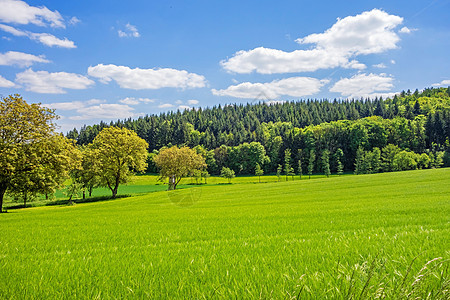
column 366, row 236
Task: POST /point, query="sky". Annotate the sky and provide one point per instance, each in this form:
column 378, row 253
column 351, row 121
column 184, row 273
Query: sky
column 109, row 60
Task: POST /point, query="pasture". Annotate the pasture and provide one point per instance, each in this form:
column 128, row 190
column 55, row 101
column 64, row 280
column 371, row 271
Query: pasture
column 366, row 236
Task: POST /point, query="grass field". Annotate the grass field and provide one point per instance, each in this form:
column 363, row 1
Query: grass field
column 368, row 236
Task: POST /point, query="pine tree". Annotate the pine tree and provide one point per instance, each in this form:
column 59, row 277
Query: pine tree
column 339, row 166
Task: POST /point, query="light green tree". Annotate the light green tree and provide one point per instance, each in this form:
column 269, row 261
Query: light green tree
column 259, row 172
column 227, row 173
column 175, row 163
column 312, row 158
column 118, row 153
column 34, row 159
column 326, row 163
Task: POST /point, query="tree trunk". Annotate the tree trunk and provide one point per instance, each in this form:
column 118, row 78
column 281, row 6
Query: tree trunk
column 84, row 194
column 114, row 191
column 90, row 192
column 172, row 184
column 70, row 200
column 2, row 193
column 25, row 199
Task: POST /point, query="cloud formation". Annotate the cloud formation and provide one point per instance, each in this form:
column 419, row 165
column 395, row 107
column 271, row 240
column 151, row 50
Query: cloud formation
column 135, row 101
column 445, row 82
column 366, row 33
column 20, row 59
column 294, row 87
column 140, row 79
column 6, row 83
column 19, row 12
column 364, row 85
column 52, row 83
column 44, row 38
column 130, row 31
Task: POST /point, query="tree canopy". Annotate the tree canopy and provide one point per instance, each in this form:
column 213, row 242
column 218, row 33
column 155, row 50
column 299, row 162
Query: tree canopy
column 118, row 154
column 175, row 163
column 34, row 159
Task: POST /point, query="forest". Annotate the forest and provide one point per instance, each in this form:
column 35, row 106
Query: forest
column 409, row 131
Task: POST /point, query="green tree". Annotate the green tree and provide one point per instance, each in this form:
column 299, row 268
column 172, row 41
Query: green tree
column 279, row 169
column 404, row 160
column 359, row 161
column 326, row 163
column 119, row 153
column 287, row 162
column 312, row 158
column 176, row 163
column 339, row 157
column 376, row 160
column 300, row 172
column 34, row 159
column 387, row 157
column 227, row 173
column 259, row 172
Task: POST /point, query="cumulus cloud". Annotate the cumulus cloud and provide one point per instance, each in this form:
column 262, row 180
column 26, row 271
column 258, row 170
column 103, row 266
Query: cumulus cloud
column 407, row 30
column 165, row 105
column 105, row 111
column 130, row 31
column 366, row 33
column 6, row 83
column 19, row 12
column 44, row 38
column 294, row 86
column 139, row 79
column 52, row 83
column 380, row 66
column 135, row 101
column 20, row 59
column 364, row 85
column 184, row 107
column 192, row 102
column 445, row 82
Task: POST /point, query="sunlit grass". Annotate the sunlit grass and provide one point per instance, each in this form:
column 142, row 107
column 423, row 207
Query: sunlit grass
column 341, row 237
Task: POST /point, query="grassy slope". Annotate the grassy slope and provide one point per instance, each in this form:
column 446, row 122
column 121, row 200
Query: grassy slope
column 248, row 240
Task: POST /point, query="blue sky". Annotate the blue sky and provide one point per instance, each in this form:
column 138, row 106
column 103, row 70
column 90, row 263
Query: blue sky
column 109, row 60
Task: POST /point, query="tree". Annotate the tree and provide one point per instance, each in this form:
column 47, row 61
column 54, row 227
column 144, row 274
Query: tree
column 312, row 158
column 259, row 172
column 118, row 153
column 326, row 163
column 279, row 169
column 300, row 172
column 359, row 161
column 287, row 163
column 176, row 163
column 34, row 159
column 227, row 173
column 339, row 166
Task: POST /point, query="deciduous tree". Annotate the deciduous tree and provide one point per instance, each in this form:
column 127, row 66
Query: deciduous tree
column 175, row 163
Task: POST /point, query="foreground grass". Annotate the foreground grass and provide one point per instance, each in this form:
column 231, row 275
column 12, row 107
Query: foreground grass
column 381, row 235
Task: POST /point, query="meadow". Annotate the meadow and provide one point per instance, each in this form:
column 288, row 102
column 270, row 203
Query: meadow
column 366, row 236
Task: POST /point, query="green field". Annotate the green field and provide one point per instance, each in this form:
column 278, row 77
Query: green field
column 367, row 236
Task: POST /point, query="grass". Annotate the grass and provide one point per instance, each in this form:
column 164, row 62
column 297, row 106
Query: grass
column 367, row 236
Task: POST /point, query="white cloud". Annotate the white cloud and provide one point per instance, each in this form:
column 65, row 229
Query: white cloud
column 105, row 111
column 407, row 30
column 52, row 83
column 130, row 31
column 165, row 105
column 392, row 61
column 44, row 38
column 442, row 83
column 363, row 85
column 139, row 79
column 19, row 12
column 20, row 59
column 366, row 33
column 65, row 105
column 294, row 86
column 380, row 66
column 74, row 21
column 193, row 102
column 6, row 83
column 184, row 107
column 178, row 102
column 135, row 101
